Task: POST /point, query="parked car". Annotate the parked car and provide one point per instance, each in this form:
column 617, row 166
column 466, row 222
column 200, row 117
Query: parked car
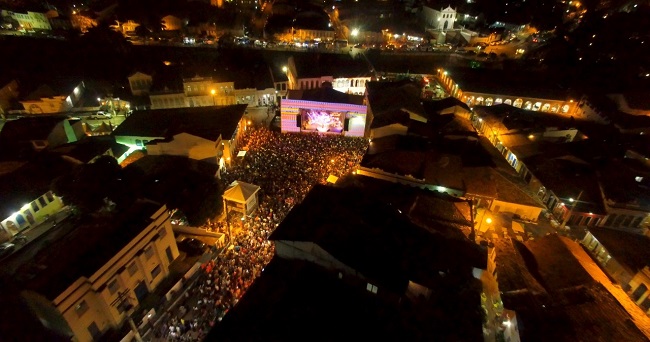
column 192, row 246
column 6, row 248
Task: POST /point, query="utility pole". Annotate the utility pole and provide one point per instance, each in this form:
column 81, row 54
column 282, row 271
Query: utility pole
column 566, row 219
column 123, row 303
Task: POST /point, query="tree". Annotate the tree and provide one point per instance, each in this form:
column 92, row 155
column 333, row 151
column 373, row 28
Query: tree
column 104, row 53
column 100, row 185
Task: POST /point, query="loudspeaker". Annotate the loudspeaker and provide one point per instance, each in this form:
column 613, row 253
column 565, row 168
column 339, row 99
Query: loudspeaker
column 298, row 120
column 346, row 124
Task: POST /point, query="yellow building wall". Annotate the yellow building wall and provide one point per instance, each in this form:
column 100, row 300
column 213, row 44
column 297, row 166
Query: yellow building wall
column 10, row 224
column 100, row 308
column 78, row 321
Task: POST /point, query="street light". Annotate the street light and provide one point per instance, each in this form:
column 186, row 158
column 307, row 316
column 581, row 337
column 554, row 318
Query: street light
column 284, row 68
column 566, row 219
column 355, row 32
column 213, row 92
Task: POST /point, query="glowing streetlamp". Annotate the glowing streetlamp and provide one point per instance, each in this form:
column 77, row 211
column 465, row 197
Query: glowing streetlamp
column 213, row 92
column 568, row 216
column 284, row 69
column 355, row 32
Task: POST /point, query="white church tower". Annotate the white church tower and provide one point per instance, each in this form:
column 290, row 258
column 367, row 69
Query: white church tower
column 447, row 19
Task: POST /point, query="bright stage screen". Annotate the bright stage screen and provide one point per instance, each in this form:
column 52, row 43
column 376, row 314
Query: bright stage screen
column 318, row 120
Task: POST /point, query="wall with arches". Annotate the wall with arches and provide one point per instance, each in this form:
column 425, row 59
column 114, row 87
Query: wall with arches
column 533, row 104
column 29, row 215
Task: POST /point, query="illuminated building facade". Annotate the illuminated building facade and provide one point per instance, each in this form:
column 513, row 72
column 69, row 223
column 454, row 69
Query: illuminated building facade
column 482, row 94
column 323, row 117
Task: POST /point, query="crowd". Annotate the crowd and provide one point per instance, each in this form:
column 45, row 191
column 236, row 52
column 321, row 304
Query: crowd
column 285, row 166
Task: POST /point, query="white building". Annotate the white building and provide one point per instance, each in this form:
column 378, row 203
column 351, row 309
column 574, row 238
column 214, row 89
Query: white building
column 439, row 20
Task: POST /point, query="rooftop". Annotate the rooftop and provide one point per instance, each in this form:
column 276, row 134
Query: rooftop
column 88, row 148
column 329, row 64
column 626, row 182
column 386, row 97
column 80, row 254
column 437, row 106
column 557, row 299
column 53, row 87
column 470, row 165
column 29, row 181
column 376, row 239
column 205, row 122
column 629, row 249
column 493, row 81
column 29, row 128
column 637, row 99
column 295, row 300
column 325, row 94
column 508, row 118
column 435, row 211
column 240, row 191
column 567, row 176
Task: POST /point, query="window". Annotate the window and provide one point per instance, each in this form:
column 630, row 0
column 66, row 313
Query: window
column 627, row 221
column 94, row 331
column 170, row 256
column 162, row 233
column 81, row 308
column 148, row 253
column 132, row 269
column 138, row 142
column 42, row 202
column 371, row 288
column 20, row 220
column 155, row 272
column 113, row 286
column 645, row 305
column 34, row 207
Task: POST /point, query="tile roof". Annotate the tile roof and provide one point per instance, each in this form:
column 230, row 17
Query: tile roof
column 206, row 122
column 508, row 118
column 436, row 106
column 30, row 180
column 470, row 165
column 325, row 94
column 79, row 254
column 87, row 148
column 626, row 182
column 556, row 299
column 435, row 211
column 310, row 65
column 375, row 238
column 637, row 99
column 391, row 117
column 53, row 87
column 629, row 249
column 295, row 300
column 385, row 97
column 240, row 191
column 493, row 81
column 29, row 128
column 566, row 176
